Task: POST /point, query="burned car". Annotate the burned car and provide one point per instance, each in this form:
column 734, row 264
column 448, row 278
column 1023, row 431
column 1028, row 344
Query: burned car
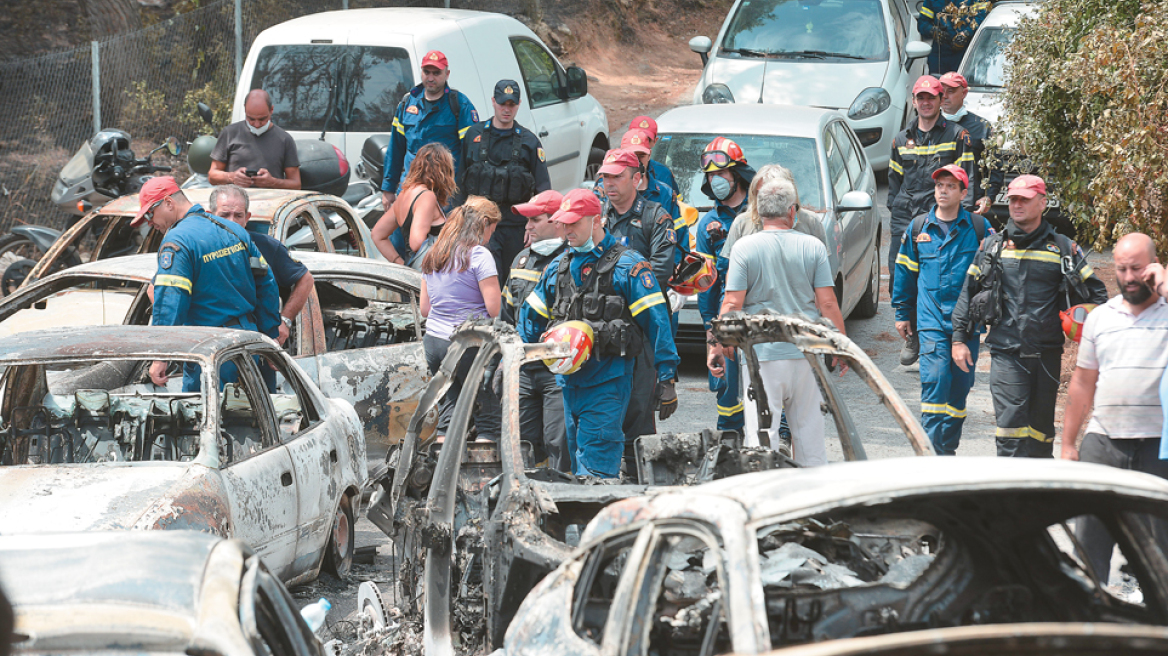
column 781, row 558
column 302, row 220
column 174, row 593
column 88, row 442
column 475, row 526
column 359, row 337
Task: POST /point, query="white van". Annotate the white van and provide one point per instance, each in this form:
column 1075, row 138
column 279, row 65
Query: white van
column 343, row 73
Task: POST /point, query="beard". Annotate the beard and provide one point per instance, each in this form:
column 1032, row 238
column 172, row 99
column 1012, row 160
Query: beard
column 1136, row 296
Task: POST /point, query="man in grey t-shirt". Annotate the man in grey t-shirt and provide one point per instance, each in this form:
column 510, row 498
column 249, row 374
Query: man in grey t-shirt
column 787, row 272
column 255, row 152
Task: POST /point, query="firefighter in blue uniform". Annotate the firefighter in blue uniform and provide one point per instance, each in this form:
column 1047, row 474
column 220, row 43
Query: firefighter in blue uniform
column 951, row 25
column 637, row 141
column 935, row 253
column 613, row 289
column 431, row 112
column 658, row 170
column 727, row 183
column 209, row 274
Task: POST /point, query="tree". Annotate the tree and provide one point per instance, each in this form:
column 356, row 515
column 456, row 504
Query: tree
column 1086, row 100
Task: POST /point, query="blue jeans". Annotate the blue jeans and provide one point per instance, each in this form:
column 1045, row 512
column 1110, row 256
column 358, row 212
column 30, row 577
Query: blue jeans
column 593, row 416
column 944, row 388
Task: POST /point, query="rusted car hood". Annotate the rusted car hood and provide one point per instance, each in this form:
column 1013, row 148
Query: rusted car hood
column 99, row 496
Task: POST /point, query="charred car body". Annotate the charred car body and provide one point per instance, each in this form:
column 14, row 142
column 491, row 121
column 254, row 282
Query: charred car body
column 170, row 593
column 359, row 336
column 776, row 559
column 482, row 528
column 87, row 442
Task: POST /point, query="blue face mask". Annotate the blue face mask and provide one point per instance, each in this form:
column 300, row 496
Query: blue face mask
column 547, row 246
column 585, row 247
column 721, row 187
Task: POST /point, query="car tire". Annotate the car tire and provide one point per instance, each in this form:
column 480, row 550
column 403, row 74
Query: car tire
column 595, row 159
column 338, row 555
column 869, row 303
column 15, row 274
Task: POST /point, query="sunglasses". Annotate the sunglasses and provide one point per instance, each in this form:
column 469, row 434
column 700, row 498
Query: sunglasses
column 715, row 160
column 149, row 215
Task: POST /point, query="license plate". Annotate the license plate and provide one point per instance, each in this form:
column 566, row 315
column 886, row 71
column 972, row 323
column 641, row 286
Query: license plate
column 1051, row 201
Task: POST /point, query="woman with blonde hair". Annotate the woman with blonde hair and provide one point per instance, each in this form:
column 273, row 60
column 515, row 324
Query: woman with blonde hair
column 459, row 282
column 408, row 228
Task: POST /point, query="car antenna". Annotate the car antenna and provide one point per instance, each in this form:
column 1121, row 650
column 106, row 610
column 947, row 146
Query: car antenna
column 762, row 87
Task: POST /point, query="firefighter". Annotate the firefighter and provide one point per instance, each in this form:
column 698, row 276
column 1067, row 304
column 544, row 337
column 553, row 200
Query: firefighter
column 611, row 288
column 505, row 162
column 1018, row 282
column 940, row 245
column 658, row 170
column 541, row 402
column 921, row 148
column 951, row 25
column 727, row 181
column 209, row 274
column 988, row 175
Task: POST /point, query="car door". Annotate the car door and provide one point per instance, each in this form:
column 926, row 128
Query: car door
column 311, row 444
column 257, row 469
column 298, row 228
column 556, row 122
column 372, row 353
column 860, row 236
column 344, row 232
column 850, row 225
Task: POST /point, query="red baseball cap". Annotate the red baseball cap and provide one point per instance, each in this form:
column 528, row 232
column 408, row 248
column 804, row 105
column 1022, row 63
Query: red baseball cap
column 618, row 160
column 546, row 202
column 1026, row 186
column 576, row 205
column 955, row 171
column 436, row 59
column 637, row 140
column 927, row 84
column 645, row 123
column 153, row 191
column 952, row 79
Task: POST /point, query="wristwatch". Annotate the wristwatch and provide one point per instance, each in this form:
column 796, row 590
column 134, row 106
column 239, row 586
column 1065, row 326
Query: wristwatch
column 286, row 320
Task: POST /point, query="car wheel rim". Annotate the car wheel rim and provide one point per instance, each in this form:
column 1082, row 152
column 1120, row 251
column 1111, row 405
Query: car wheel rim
column 341, row 533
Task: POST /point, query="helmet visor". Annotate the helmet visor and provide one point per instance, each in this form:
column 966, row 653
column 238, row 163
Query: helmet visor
column 715, row 160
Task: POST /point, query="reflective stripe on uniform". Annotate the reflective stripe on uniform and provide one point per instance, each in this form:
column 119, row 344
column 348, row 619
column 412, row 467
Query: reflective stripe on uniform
column 1038, row 256
column 896, row 167
column 930, row 150
column 723, row 411
column 942, row 409
column 173, row 281
column 397, row 125
column 965, row 157
column 1024, row 431
column 680, row 223
column 974, row 270
column 526, row 274
column 901, row 258
column 927, row 13
column 462, row 132
column 537, row 304
column 507, row 296
column 1087, row 272
column 656, row 298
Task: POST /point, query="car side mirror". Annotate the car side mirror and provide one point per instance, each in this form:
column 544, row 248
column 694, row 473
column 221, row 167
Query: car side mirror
column 917, row 50
column 577, row 82
column 702, row 46
column 855, row 201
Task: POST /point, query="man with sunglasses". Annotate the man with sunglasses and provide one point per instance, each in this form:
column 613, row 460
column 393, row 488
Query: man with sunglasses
column 210, row 273
column 923, row 147
column 727, row 180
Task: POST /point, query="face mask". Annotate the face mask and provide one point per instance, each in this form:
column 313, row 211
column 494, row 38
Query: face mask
column 587, row 246
column 955, row 117
column 547, row 246
column 258, row 131
column 721, row 187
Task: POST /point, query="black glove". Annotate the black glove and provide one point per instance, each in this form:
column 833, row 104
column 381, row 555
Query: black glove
column 666, row 400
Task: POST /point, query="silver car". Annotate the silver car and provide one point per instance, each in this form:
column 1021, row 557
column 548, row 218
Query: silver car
column 833, row 176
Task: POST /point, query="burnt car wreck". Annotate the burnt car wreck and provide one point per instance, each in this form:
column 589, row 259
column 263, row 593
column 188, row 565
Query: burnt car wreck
column 475, row 527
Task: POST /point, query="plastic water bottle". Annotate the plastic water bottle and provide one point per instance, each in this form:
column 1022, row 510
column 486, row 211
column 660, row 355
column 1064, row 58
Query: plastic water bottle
column 315, row 614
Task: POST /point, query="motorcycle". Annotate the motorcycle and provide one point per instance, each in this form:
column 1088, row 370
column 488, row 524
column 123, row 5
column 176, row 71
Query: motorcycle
column 364, row 193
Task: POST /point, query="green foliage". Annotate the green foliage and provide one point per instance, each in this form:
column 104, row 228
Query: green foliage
column 1087, row 100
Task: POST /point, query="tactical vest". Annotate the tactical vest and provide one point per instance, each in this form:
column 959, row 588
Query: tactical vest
column 598, row 303
column 532, row 264
column 506, row 183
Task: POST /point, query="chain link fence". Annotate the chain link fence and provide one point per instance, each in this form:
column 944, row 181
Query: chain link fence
column 146, row 82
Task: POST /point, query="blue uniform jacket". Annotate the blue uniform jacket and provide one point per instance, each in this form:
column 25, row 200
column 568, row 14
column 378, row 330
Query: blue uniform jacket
column 931, row 270
column 661, row 173
column 418, row 123
column 710, row 236
column 204, row 278
column 634, row 280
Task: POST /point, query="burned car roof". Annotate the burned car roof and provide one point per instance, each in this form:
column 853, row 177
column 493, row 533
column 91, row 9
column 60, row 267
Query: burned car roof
column 262, row 203
column 95, row 342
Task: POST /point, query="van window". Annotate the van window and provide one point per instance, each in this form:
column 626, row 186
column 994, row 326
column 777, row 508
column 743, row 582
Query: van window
column 369, row 81
column 540, row 74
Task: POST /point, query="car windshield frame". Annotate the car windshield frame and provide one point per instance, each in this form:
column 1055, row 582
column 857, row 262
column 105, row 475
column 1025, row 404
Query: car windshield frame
column 681, row 153
column 808, row 30
column 976, row 66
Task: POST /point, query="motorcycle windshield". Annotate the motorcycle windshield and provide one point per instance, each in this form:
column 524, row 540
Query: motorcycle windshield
column 79, row 167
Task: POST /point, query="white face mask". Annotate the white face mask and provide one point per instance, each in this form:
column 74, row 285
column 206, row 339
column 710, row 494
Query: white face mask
column 547, row 246
column 259, row 131
column 955, row 117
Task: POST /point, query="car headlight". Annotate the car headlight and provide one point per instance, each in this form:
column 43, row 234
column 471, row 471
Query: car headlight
column 717, row 94
column 870, row 102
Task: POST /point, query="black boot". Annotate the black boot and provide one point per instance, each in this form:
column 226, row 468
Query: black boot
column 911, row 350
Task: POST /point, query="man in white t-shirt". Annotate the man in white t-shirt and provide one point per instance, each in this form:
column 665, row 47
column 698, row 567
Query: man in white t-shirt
column 1122, row 357
column 785, row 271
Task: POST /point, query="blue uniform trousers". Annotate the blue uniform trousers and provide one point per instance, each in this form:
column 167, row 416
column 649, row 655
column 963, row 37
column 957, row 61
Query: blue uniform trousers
column 944, row 387
column 593, row 416
column 730, row 415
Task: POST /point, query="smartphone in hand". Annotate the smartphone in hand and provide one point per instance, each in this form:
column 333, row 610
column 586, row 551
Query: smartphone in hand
column 251, row 173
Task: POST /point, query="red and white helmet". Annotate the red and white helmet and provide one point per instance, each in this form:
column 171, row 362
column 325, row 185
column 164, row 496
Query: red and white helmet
column 1073, row 319
column 577, row 334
